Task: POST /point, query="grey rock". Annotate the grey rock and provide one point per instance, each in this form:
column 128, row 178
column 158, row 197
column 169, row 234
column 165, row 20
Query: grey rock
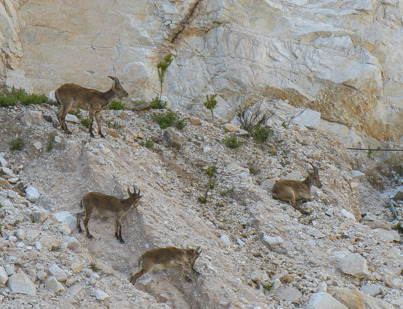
column 371, row 289
column 308, row 118
column 52, row 285
column 323, row 300
column 273, row 240
column 67, row 218
column 45, row 202
column 388, row 235
column 352, row 298
column 3, row 276
column 172, row 138
column 57, row 272
column 32, row 194
column 72, row 118
column 20, row 283
column 32, row 118
column 287, row 293
column 352, row 264
column 40, row 215
column 101, row 295
column 315, row 233
column 398, row 193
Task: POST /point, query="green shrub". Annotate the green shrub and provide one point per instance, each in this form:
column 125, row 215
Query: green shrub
column 116, row 105
column 11, row 98
column 49, row 147
column 149, row 143
column 114, row 125
column 226, row 192
column 85, row 122
column 202, row 199
column 77, row 113
column 157, row 103
column 180, row 124
column 210, row 103
column 261, row 133
column 94, row 267
column 232, row 141
column 55, row 249
column 165, row 119
column 162, row 66
column 17, row 144
column 210, row 172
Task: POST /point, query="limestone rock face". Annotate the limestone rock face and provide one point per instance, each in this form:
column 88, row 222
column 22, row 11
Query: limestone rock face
column 340, row 59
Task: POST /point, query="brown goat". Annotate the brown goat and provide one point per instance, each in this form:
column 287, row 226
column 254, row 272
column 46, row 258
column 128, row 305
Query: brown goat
column 292, row 190
column 107, row 204
column 71, row 96
column 163, row 258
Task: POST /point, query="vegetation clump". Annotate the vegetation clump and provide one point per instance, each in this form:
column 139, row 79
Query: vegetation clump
column 232, row 141
column 168, row 119
column 85, row 122
column 17, row 144
column 211, row 103
column 162, row 66
column 116, row 105
column 157, row 103
column 210, row 172
column 149, row 143
column 11, row 98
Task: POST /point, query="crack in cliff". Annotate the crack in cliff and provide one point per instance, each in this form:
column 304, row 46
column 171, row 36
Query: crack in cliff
column 189, row 16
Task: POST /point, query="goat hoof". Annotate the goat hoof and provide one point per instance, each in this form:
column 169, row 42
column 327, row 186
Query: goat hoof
column 90, row 236
column 121, row 241
column 102, row 136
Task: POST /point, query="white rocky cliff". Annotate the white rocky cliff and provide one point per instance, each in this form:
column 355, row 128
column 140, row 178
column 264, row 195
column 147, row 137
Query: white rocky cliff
column 341, row 58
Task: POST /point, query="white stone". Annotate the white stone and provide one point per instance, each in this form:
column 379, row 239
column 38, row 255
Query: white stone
column 3, row 276
column 8, row 171
column 67, row 218
column 38, row 145
column 40, row 215
column 20, row 234
column 322, row 300
column 357, row 174
column 388, row 235
column 64, row 229
column 58, row 139
column 72, row 118
column 353, row 264
column 371, row 289
column 101, row 295
column 20, row 283
column 59, row 273
column 72, row 242
column 53, row 285
column 398, row 193
column 347, row 214
column 225, row 239
column 94, row 278
column 32, row 194
column 32, row 118
column 273, row 240
column 315, row 233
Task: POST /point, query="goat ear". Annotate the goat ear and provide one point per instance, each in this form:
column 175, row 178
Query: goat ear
column 315, row 170
column 198, row 250
column 128, row 191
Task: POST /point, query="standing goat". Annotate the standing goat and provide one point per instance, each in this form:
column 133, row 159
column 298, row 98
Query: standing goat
column 292, row 190
column 107, row 204
column 71, row 96
column 163, row 258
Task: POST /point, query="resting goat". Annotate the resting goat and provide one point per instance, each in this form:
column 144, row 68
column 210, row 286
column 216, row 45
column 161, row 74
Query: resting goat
column 163, row 258
column 292, row 190
column 71, row 96
column 105, row 204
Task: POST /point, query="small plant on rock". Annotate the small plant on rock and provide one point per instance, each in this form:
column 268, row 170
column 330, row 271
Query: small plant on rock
column 85, row 122
column 49, row 146
column 17, row 144
column 211, row 103
column 261, row 133
column 116, row 105
column 77, row 113
column 162, row 66
column 227, row 192
column 157, row 103
column 94, row 267
column 210, row 172
column 55, row 249
column 232, row 141
column 149, row 143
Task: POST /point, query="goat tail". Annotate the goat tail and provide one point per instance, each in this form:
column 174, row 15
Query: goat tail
column 81, row 204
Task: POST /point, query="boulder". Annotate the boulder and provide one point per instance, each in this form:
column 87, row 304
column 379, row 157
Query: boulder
column 323, row 300
column 20, row 283
column 354, row 299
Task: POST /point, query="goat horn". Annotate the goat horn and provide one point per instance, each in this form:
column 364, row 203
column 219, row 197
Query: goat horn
column 128, row 191
column 115, row 79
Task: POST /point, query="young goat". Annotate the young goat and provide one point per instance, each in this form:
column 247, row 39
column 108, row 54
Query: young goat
column 163, row 258
column 105, row 204
column 292, row 190
column 71, row 96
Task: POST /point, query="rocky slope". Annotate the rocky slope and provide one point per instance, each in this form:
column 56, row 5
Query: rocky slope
column 257, row 252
